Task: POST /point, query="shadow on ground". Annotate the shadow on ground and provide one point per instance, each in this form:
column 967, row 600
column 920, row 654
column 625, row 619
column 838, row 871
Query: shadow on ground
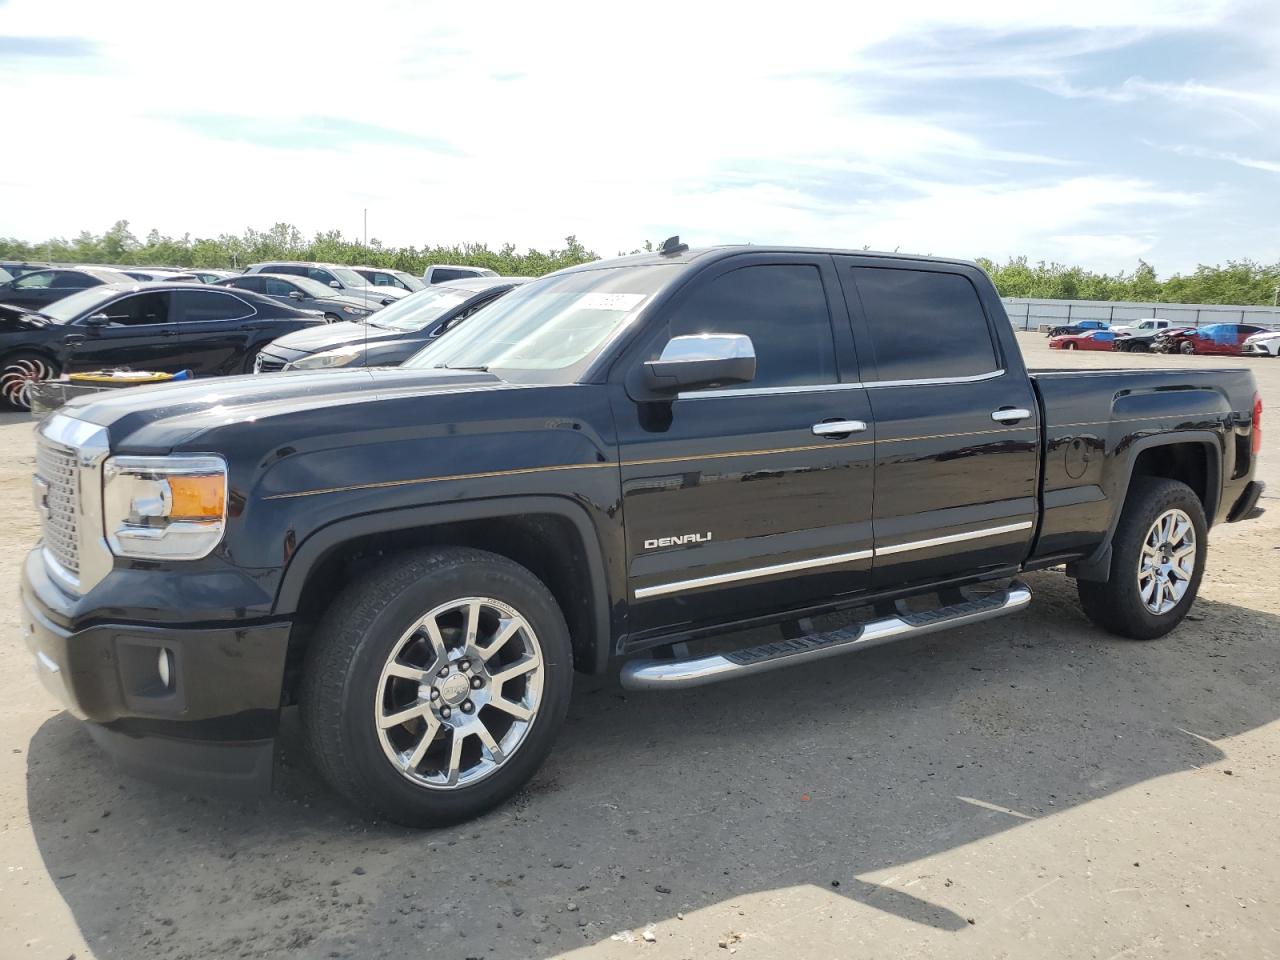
column 661, row 803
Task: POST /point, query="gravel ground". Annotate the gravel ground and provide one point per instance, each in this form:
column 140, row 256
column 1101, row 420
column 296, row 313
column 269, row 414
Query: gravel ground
column 1026, row 788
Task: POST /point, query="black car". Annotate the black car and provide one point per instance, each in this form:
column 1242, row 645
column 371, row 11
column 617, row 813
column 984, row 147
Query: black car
column 34, row 290
column 1080, row 326
column 391, row 335
column 152, row 273
column 17, row 268
column 336, row 305
column 163, row 327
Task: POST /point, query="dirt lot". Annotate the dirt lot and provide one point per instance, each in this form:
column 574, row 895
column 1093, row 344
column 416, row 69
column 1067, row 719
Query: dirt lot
column 1027, row 788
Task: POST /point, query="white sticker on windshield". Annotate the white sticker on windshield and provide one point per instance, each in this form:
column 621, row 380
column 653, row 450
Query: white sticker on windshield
column 622, row 302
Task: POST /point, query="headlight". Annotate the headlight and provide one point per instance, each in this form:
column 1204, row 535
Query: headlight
column 164, row 508
column 329, row 358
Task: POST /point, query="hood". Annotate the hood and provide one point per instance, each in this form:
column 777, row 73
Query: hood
column 1264, row 335
column 14, row 318
column 334, row 335
column 158, row 418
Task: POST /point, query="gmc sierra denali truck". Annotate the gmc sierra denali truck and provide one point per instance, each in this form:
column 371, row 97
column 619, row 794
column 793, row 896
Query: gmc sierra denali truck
column 607, row 466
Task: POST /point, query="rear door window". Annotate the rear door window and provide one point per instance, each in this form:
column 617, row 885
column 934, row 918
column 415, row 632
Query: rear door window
column 924, row 325
column 202, row 306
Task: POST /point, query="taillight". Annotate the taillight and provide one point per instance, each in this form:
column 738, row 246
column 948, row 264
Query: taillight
column 1255, row 439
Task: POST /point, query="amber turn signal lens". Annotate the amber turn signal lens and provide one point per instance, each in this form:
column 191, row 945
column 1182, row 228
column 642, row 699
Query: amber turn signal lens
column 197, row 498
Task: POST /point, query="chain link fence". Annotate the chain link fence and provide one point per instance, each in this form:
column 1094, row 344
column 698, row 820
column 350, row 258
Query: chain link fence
column 1031, row 314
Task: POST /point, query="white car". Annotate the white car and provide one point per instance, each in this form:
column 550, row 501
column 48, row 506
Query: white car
column 1151, row 325
column 1265, row 344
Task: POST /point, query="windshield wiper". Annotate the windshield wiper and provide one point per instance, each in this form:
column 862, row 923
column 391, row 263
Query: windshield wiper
column 445, row 366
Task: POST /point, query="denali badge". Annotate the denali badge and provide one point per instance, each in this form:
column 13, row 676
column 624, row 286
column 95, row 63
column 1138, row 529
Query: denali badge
column 677, row 541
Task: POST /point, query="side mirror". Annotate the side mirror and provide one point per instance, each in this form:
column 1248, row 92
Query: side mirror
column 295, row 294
column 701, row 361
column 335, row 284
column 97, row 320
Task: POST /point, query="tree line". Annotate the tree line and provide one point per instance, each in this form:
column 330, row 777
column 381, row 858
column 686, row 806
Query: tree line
column 1238, row 281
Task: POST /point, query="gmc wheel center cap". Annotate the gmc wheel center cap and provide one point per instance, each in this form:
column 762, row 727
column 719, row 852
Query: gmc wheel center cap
column 455, row 689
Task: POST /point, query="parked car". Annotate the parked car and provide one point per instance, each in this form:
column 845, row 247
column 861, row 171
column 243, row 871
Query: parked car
column 206, row 275
column 40, row 287
column 1141, row 327
column 1080, row 326
column 163, row 327
column 390, row 336
column 1215, row 338
column 444, row 272
column 383, row 277
column 17, row 268
column 1136, row 341
column 422, row 556
column 150, row 273
column 334, row 275
column 1090, row 340
column 336, row 305
column 1264, row 344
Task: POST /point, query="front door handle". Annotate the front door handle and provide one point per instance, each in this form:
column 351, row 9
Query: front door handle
column 1009, row 414
column 835, row 428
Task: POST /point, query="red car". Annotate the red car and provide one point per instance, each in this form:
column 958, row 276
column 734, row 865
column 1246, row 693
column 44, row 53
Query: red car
column 1092, row 340
column 1218, row 338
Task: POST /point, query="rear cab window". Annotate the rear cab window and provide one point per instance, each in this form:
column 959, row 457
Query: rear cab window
column 924, row 325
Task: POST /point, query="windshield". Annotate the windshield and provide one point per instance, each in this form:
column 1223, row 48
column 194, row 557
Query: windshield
column 70, row 307
column 551, row 329
column 312, row 288
column 417, row 310
column 409, row 280
column 349, row 278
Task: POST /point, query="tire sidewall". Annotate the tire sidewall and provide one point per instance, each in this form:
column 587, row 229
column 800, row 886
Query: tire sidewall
column 1127, row 548
column 394, row 793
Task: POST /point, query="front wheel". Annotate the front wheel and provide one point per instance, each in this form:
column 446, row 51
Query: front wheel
column 19, row 372
column 332, row 318
column 1070, row 346
column 436, row 685
column 1157, row 559
column 1188, row 348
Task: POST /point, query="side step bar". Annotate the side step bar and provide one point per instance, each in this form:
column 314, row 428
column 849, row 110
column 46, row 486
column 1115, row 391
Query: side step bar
column 697, row 671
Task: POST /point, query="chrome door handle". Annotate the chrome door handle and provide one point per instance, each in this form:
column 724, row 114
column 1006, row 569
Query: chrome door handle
column 838, row 427
column 1007, row 414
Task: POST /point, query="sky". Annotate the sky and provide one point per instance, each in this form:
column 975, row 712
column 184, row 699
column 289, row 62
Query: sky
column 1090, row 132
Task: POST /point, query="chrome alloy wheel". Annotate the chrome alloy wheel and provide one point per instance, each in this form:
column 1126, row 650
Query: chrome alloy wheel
column 17, row 377
column 1167, row 561
column 459, row 693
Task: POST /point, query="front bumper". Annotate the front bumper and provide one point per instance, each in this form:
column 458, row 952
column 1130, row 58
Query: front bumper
column 1261, row 349
column 210, row 728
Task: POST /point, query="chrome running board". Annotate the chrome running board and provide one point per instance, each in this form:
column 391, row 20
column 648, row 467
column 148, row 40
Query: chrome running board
column 697, row 671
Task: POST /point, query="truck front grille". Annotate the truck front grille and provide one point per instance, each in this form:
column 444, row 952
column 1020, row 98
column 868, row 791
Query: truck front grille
column 56, row 466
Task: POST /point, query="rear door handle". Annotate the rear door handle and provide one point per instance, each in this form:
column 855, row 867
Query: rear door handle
column 832, row 428
column 1009, row 414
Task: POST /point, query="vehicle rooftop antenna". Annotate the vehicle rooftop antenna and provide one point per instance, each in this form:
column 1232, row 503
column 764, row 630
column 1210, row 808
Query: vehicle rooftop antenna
column 671, row 246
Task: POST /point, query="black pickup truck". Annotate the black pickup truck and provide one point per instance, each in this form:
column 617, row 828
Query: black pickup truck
column 607, row 466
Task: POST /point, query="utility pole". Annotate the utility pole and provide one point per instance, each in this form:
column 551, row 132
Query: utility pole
column 1275, row 297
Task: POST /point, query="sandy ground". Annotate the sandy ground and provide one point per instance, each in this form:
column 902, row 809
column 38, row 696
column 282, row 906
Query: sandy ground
column 1027, row 788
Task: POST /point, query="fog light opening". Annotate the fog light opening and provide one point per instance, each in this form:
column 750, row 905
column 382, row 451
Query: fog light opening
column 164, row 667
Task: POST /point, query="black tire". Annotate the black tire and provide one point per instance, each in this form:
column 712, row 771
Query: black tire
column 343, row 670
column 1187, row 348
column 18, row 371
column 1069, row 346
column 1116, row 605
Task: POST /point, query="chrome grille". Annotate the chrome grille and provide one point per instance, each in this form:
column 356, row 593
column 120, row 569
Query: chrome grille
column 266, row 363
column 56, row 466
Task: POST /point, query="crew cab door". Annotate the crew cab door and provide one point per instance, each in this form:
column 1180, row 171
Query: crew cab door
column 137, row 332
column 755, row 497
column 956, row 421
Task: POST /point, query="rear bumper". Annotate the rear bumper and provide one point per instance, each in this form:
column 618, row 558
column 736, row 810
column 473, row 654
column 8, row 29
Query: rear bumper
column 1246, row 505
column 205, row 720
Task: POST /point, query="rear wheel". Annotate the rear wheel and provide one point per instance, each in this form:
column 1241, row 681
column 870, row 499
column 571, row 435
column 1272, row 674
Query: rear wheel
column 1157, row 559
column 436, row 685
column 19, row 372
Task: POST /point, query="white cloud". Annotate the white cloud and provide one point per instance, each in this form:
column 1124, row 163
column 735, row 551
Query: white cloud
column 614, row 122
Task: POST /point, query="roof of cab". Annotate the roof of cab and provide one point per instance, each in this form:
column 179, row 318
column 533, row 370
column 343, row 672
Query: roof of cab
column 709, row 254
